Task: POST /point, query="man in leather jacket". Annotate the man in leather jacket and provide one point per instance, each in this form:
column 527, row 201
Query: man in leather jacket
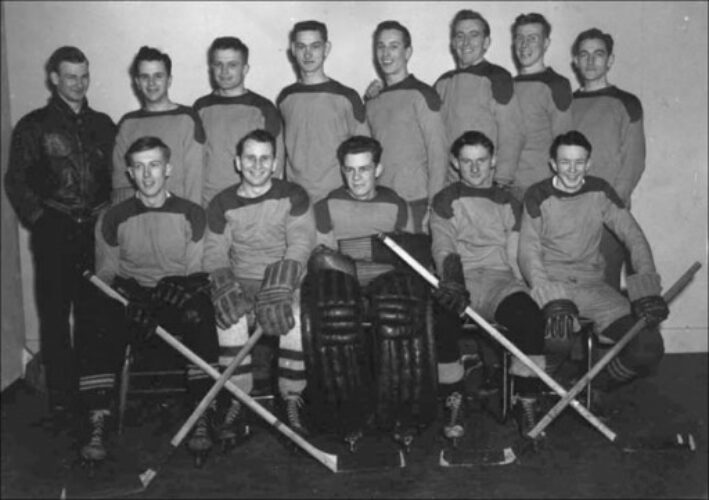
column 58, row 179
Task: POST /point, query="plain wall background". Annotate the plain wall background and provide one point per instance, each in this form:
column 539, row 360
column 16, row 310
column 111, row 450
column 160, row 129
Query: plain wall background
column 661, row 56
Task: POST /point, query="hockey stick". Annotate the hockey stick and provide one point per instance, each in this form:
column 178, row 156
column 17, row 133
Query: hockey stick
column 426, row 274
column 149, row 474
column 332, row 462
column 669, row 296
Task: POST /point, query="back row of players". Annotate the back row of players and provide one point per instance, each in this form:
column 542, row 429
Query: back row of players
column 251, row 248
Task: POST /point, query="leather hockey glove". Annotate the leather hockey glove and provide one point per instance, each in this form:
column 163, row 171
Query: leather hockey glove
column 561, row 317
column 139, row 312
column 176, row 291
column 451, row 291
column 645, row 299
column 273, row 302
column 230, row 301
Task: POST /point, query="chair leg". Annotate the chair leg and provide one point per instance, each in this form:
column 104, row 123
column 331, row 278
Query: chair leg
column 507, row 383
column 123, row 394
column 589, row 364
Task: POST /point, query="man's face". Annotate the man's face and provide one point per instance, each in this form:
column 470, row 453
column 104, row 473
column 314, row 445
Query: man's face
column 469, row 42
column 391, row 53
column 153, row 81
column 150, row 171
column 71, row 81
column 592, row 60
column 256, row 163
column 310, row 51
column 361, row 175
column 530, row 44
column 571, row 164
column 228, row 69
column 476, row 166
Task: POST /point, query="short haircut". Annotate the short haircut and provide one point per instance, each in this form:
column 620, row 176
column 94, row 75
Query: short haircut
column 532, row 18
column 467, row 14
column 310, row 25
column 593, row 33
column 570, row 138
column 257, row 135
column 359, row 144
column 229, row 42
column 393, row 25
column 146, row 143
column 472, row 138
column 66, row 53
column 150, row 54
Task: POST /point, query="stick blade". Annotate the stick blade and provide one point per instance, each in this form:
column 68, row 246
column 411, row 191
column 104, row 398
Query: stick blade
column 678, row 442
column 371, row 458
column 118, row 477
column 454, row 457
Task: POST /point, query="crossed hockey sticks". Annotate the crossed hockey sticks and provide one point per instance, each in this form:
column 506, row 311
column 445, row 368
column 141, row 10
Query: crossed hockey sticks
column 149, row 474
column 426, row 274
column 669, row 296
column 329, row 460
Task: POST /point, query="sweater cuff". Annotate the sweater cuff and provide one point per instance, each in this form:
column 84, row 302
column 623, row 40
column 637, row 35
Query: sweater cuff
column 643, row 285
column 544, row 294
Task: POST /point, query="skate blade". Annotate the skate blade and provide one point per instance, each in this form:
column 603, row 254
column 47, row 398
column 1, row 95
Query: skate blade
column 453, row 457
column 678, row 442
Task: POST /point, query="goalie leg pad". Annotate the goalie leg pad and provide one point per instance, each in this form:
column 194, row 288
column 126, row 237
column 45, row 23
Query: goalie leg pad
column 336, row 351
column 405, row 365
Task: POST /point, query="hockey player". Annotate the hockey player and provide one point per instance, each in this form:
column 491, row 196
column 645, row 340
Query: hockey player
column 358, row 269
column 150, row 248
column 544, row 98
column 176, row 125
column 612, row 120
column 475, row 229
column 405, row 118
column 318, row 113
column 559, row 256
column 229, row 113
column 478, row 95
column 260, row 233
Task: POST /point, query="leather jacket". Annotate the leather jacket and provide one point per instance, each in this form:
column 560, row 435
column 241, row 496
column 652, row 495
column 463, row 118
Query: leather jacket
column 62, row 160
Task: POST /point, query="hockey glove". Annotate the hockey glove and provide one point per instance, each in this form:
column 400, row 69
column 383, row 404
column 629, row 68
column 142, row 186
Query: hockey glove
column 645, row 300
column 175, row 291
column 451, row 292
column 139, row 312
column 561, row 318
column 273, row 302
column 653, row 308
column 230, row 301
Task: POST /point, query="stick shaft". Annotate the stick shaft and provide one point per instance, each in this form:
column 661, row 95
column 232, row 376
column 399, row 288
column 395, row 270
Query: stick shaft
column 669, row 296
column 426, row 274
column 328, row 460
column 218, row 385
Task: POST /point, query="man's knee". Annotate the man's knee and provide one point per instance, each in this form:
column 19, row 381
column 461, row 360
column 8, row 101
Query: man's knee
column 524, row 322
column 644, row 352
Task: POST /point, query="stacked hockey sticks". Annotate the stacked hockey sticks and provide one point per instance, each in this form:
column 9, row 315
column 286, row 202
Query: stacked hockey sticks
column 507, row 455
column 333, row 462
column 669, row 296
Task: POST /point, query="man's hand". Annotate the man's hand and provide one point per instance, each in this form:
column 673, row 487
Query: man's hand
column 653, row 308
column 451, row 291
column 373, row 89
column 561, row 318
column 273, row 302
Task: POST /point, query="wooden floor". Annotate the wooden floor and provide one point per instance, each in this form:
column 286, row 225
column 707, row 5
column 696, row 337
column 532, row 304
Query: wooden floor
column 576, row 461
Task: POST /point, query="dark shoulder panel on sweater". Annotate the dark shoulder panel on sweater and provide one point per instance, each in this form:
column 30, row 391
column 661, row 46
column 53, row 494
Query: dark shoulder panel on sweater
column 433, row 100
column 558, row 85
column 632, row 104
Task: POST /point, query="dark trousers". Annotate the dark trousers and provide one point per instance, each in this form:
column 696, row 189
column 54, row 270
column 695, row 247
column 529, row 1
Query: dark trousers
column 62, row 248
column 101, row 353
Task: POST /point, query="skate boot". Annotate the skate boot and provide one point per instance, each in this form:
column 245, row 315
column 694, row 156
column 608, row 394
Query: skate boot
column 404, row 435
column 453, row 429
column 294, row 414
column 525, row 411
column 234, row 429
column 94, row 451
column 200, row 442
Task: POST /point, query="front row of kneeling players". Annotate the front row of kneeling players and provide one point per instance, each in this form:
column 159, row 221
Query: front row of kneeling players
column 368, row 328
